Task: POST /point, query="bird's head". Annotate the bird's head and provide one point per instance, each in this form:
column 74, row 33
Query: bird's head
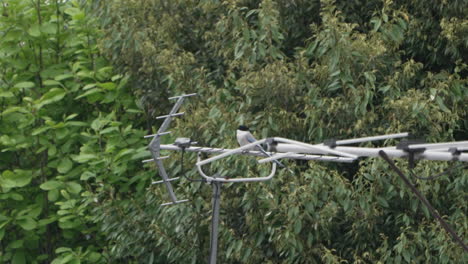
column 243, row 128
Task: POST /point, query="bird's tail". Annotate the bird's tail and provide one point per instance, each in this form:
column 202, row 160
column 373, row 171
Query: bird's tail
column 275, row 161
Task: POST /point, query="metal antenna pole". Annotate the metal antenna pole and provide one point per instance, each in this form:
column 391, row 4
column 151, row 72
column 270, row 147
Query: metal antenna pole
column 423, row 199
column 215, row 221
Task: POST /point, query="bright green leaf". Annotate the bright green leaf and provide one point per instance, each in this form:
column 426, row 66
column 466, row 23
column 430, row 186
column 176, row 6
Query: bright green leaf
column 50, row 185
column 74, row 187
column 87, row 175
column 107, row 85
column 27, row 223
column 82, row 158
column 65, row 165
column 6, row 94
column 25, row 85
column 63, row 76
column 34, row 30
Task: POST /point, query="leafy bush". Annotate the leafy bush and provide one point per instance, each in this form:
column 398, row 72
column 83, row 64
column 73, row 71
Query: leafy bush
column 65, row 133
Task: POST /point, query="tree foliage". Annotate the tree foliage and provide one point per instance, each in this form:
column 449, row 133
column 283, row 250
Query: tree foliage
column 65, row 133
column 79, row 87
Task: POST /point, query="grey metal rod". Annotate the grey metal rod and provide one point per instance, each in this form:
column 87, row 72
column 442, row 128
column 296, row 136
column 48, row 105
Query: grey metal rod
column 215, row 222
column 232, row 152
column 163, row 174
column 151, row 160
column 156, row 135
column 374, row 152
column 444, row 145
column 423, row 199
column 174, row 110
column 176, row 202
column 319, row 148
column 260, row 154
column 373, row 138
column 172, row 115
column 183, row 95
column 170, row 179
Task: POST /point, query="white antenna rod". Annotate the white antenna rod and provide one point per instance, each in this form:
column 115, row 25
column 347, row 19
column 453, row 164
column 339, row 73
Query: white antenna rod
column 283, row 148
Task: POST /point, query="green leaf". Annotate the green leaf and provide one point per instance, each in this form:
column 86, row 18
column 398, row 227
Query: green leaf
column 87, row 175
column 77, row 123
column 27, row 223
column 6, row 94
column 63, row 249
column 74, row 187
column 15, row 109
column 25, row 85
column 52, row 150
column 98, row 124
column 107, row 85
column 67, row 259
column 297, row 226
column 377, row 23
column 53, row 95
column 94, row 257
column 382, row 201
column 50, row 185
column 82, row 158
column 52, row 195
column 46, row 221
column 16, row 196
column 406, row 256
column 89, row 86
column 63, row 76
column 65, row 165
column 116, row 77
column 71, row 117
column 17, row 244
column 39, row 130
column 124, row 152
column 34, row 30
column 17, row 178
column 441, row 104
column 89, row 92
column 52, row 83
column 7, row 179
column 19, row 258
column 62, row 133
column 108, row 130
column 49, row 28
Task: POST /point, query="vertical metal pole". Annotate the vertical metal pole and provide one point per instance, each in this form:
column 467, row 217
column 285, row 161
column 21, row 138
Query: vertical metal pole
column 423, row 199
column 215, row 221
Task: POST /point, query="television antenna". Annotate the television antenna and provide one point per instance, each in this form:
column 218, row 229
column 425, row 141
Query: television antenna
column 283, row 148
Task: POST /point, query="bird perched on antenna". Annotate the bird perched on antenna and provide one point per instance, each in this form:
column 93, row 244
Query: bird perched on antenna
column 244, row 137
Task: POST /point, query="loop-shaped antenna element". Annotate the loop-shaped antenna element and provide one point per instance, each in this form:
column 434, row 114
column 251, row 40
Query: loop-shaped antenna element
column 216, row 179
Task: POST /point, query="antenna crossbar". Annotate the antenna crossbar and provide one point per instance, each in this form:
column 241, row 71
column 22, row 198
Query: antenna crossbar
column 283, row 148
